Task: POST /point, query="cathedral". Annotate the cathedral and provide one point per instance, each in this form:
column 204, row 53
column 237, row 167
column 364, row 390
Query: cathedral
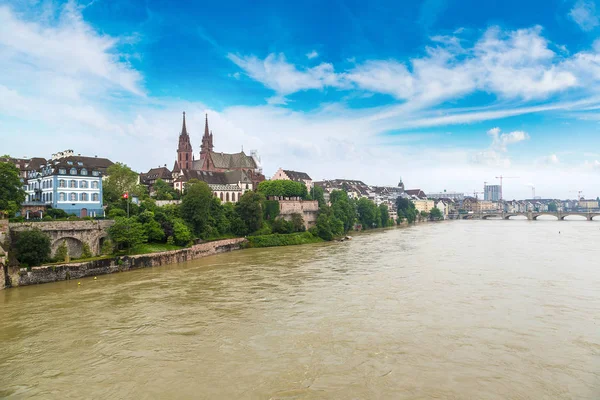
column 211, row 161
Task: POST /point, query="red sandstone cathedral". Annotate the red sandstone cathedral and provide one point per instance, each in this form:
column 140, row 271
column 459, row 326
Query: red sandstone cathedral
column 211, row 161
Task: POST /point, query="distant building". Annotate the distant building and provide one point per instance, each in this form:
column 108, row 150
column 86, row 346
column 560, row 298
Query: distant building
column 355, row 189
column 228, row 186
column 423, row 205
column 492, row 192
column 446, row 195
column 587, row 204
column 149, row 178
column 416, row 193
column 69, row 182
column 288, row 175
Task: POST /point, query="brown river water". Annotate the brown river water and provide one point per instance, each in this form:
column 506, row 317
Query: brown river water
column 453, row 310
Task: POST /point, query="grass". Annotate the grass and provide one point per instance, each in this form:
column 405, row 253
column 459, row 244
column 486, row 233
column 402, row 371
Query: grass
column 278, row 239
column 147, row 248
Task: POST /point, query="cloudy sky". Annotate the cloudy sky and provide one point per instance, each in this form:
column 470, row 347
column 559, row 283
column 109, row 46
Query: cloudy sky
column 446, row 94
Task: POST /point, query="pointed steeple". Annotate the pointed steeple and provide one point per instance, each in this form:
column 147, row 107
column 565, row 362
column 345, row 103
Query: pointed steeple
column 183, row 128
column 207, row 139
column 206, row 126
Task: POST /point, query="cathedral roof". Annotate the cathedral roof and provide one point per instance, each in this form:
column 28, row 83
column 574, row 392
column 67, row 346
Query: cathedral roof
column 228, row 161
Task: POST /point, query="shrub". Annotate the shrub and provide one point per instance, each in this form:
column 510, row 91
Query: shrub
column 62, row 253
column 56, row 213
column 107, row 247
column 181, row 233
column 282, row 240
column 86, row 252
column 170, row 241
column 32, row 247
column 280, row 225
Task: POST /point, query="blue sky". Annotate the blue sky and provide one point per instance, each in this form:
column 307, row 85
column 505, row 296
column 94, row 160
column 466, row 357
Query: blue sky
column 446, row 94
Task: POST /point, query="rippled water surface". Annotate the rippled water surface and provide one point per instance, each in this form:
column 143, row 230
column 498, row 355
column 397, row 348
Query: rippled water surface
column 458, row 310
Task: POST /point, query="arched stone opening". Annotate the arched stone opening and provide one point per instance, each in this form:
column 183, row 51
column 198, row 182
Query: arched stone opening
column 74, row 246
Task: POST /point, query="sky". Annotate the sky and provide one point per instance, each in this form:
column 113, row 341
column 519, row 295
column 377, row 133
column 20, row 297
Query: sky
column 445, row 94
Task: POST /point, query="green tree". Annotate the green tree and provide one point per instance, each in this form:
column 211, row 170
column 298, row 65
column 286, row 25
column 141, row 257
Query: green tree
column 280, row 225
column 32, row 247
column 86, row 251
column 11, row 189
column 62, row 252
column 367, row 213
column 424, row 214
column 250, row 210
column 56, row 213
column 121, row 179
column 406, row 210
column 181, row 233
column 283, row 188
column 552, row 207
column 319, row 195
column 436, row 214
column 126, row 233
column 116, row 213
column 343, row 208
column 154, row 231
column 324, row 229
column 164, row 191
column 298, row 222
column 384, row 215
column 195, row 206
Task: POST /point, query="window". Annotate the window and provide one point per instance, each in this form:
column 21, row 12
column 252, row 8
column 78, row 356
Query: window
column 95, row 185
column 73, row 184
column 62, row 171
column 70, row 162
column 95, row 173
column 246, row 186
column 72, row 196
column 50, row 196
column 83, row 184
column 73, row 171
column 79, row 163
column 83, row 171
column 221, row 196
column 62, row 196
column 83, row 197
column 227, row 197
column 94, row 196
column 62, row 183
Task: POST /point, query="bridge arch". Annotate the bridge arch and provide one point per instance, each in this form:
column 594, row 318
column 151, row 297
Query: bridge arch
column 543, row 214
column 74, row 246
column 566, row 215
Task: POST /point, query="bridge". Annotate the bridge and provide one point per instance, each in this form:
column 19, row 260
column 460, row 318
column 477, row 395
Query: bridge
column 532, row 215
column 73, row 233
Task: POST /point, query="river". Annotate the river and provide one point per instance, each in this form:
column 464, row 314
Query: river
column 453, row 310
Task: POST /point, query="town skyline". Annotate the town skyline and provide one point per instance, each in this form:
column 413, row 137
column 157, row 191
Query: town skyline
column 461, row 101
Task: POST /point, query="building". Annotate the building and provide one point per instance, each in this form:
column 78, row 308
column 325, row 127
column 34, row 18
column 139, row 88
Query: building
column 212, row 161
column 354, row 188
column 492, row 192
column 443, row 206
column 68, row 182
column 25, row 165
column 228, row 186
column 446, row 195
column 416, row 193
column 309, row 209
column 587, row 204
column 288, row 175
column 149, row 178
column 423, row 205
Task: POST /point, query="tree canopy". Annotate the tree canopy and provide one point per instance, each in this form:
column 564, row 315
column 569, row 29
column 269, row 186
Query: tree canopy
column 283, row 188
column 32, row 247
column 11, row 189
column 406, row 210
column 196, row 204
column 436, row 214
column 121, row 179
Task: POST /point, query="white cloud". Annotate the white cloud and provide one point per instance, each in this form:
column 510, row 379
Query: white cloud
column 584, row 14
column 497, row 154
column 312, row 54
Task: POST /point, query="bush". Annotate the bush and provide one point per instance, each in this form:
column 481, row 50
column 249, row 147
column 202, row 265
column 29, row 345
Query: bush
column 32, row 247
column 282, row 240
column 47, row 218
column 280, row 225
column 86, row 252
column 181, row 233
column 298, row 223
column 170, row 241
column 107, row 247
column 56, row 213
column 116, row 212
column 62, row 253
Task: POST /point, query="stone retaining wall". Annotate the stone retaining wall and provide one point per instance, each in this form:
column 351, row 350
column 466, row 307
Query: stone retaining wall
column 56, row 273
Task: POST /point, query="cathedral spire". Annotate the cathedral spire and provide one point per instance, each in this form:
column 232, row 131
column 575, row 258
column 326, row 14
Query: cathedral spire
column 183, row 128
column 207, row 141
column 206, row 126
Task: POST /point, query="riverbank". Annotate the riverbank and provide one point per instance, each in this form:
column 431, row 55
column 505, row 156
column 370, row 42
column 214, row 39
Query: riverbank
column 55, row 273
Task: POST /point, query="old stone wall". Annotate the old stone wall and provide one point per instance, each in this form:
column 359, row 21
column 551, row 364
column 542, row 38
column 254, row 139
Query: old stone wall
column 4, row 242
column 56, row 273
column 74, row 233
column 308, row 210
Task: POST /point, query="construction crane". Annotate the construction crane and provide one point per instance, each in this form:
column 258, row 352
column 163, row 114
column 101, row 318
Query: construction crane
column 504, row 177
column 475, row 193
column 578, row 193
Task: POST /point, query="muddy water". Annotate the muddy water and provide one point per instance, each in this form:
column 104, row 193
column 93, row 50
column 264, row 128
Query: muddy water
column 459, row 310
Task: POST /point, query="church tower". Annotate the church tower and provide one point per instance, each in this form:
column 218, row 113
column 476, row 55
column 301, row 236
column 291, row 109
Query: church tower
column 184, row 150
column 207, row 140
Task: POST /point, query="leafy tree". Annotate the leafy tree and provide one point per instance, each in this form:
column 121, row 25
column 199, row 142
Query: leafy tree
column 164, row 191
column 406, row 210
column 343, row 208
column 86, row 251
column 436, row 214
column 117, row 213
column 384, row 214
column 319, row 195
column 127, row 233
column 62, row 252
column 11, row 189
column 56, row 213
column 367, row 213
column 424, row 214
column 249, row 209
column 324, row 229
column 32, row 247
column 283, row 188
column 280, row 225
column 552, row 207
column 195, row 206
column 298, row 222
column 154, row 231
column 121, row 179
column 181, row 233
column 107, row 247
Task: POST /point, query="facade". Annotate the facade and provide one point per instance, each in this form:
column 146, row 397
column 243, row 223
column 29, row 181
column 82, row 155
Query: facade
column 423, row 205
column 446, row 195
column 149, row 178
column 587, row 204
column 288, row 175
column 354, row 189
column 416, row 193
column 68, row 182
column 309, row 210
column 443, row 207
column 492, row 192
column 228, row 186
